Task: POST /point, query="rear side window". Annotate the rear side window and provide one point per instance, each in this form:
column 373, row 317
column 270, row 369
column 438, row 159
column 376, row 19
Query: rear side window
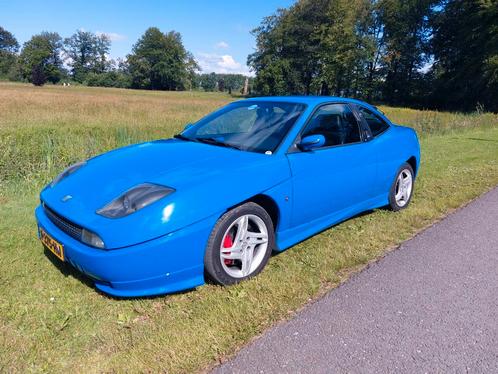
column 376, row 124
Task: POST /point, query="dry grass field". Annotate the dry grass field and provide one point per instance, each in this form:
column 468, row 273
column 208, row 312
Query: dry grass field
column 53, row 320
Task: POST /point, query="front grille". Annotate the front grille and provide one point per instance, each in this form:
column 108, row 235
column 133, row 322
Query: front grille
column 62, row 223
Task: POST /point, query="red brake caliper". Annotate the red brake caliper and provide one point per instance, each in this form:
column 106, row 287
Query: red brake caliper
column 227, row 243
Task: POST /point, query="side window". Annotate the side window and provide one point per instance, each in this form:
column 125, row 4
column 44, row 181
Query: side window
column 336, row 123
column 376, row 124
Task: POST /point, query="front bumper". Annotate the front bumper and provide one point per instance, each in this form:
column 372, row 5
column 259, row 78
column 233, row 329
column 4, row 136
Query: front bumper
column 170, row 263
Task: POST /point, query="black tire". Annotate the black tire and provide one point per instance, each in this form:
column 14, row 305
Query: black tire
column 214, row 269
column 393, row 204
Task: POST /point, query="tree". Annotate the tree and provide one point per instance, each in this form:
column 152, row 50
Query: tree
column 220, row 82
column 116, row 76
column 8, row 42
column 87, row 53
column 159, row 61
column 8, row 49
column 40, row 59
column 347, row 49
column 233, row 82
column 465, row 47
column 406, row 36
column 208, row 81
column 37, row 76
column 370, row 49
column 316, row 46
column 286, row 60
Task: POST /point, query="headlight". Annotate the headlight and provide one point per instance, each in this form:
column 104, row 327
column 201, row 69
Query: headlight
column 92, row 239
column 135, row 199
column 68, row 171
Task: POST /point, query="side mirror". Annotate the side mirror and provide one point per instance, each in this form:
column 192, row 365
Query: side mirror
column 187, row 126
column 311, row 142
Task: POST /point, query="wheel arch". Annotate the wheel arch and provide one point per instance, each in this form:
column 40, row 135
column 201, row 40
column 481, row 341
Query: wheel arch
column 412, row 161
column 267, row 203
column 271, row 207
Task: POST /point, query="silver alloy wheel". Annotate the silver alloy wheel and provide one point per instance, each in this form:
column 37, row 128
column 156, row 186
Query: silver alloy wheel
column 248, row 239
column 404, row 186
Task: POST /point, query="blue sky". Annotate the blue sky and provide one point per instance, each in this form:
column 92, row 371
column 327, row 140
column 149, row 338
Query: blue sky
column 216, row 32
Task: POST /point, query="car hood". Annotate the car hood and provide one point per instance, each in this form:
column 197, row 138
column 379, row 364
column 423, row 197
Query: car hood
column 207, row 180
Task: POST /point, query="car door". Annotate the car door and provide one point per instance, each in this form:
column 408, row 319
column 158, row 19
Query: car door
column 336, row 176
column 383, row 148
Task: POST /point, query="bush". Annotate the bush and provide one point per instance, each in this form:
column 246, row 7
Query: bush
column 38, row 75
column 108, row 79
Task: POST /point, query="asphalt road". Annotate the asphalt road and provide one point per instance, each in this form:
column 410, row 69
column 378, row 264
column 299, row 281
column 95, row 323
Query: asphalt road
column 429, row 306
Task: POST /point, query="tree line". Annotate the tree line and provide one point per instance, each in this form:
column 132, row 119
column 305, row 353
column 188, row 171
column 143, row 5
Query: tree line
column 421, row 53
column 425, row 53
column 158, row 61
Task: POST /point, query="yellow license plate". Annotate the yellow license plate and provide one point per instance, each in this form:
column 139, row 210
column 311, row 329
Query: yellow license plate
column 53, row 245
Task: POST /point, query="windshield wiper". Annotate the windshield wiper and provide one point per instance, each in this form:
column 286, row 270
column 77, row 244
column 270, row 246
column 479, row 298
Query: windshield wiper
column 183, row 137
column 217, row 142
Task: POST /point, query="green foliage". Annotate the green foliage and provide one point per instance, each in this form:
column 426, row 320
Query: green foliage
column 87, row 53
column 405, row 39
column 220, row 82
column 465, row 48
column 113, row 78
column 348, row 48
column 8, row 42
column 38, row 77
column 8, row 49
column 207, row 82
column 316, row 47
column 382, row 50
column 159, row 61
column 9, row 65
column 116, row 76
column 40, row 59
column 282, row 44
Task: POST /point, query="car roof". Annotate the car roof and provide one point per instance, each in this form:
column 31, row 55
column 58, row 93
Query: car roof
column 313, row 101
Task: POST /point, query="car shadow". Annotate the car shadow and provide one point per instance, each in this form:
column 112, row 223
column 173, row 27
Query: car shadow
column 66, row 269
column 69, row 271
column 366, row 212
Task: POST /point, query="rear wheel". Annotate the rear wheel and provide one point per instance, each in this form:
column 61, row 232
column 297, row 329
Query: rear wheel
column 240, row 244
column 401, row 191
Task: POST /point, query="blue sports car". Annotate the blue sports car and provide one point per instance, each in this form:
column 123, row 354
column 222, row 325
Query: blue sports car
column 256, row 176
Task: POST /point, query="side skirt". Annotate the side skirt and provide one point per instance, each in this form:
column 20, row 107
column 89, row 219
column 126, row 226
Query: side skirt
column 287, row 238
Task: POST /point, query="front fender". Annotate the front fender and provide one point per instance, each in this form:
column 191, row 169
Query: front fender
column 196, row 199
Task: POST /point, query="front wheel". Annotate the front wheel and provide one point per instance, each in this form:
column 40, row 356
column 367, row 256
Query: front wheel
column 240, row 244
column 401, row 191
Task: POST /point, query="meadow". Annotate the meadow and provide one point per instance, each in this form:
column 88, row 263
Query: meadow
column 53, row 320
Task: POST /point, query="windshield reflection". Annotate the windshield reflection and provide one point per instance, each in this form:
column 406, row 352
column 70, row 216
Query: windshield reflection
column 256, row 126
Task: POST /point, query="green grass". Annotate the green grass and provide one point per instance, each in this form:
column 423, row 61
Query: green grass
column 52, row 321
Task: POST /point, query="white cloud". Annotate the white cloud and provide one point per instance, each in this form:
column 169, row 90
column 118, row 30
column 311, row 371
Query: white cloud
column 113, row 36
column 224, row 64
column 222, row 45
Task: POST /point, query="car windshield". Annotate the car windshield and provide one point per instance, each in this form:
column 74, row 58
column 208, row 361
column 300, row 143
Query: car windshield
column 256, row 126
